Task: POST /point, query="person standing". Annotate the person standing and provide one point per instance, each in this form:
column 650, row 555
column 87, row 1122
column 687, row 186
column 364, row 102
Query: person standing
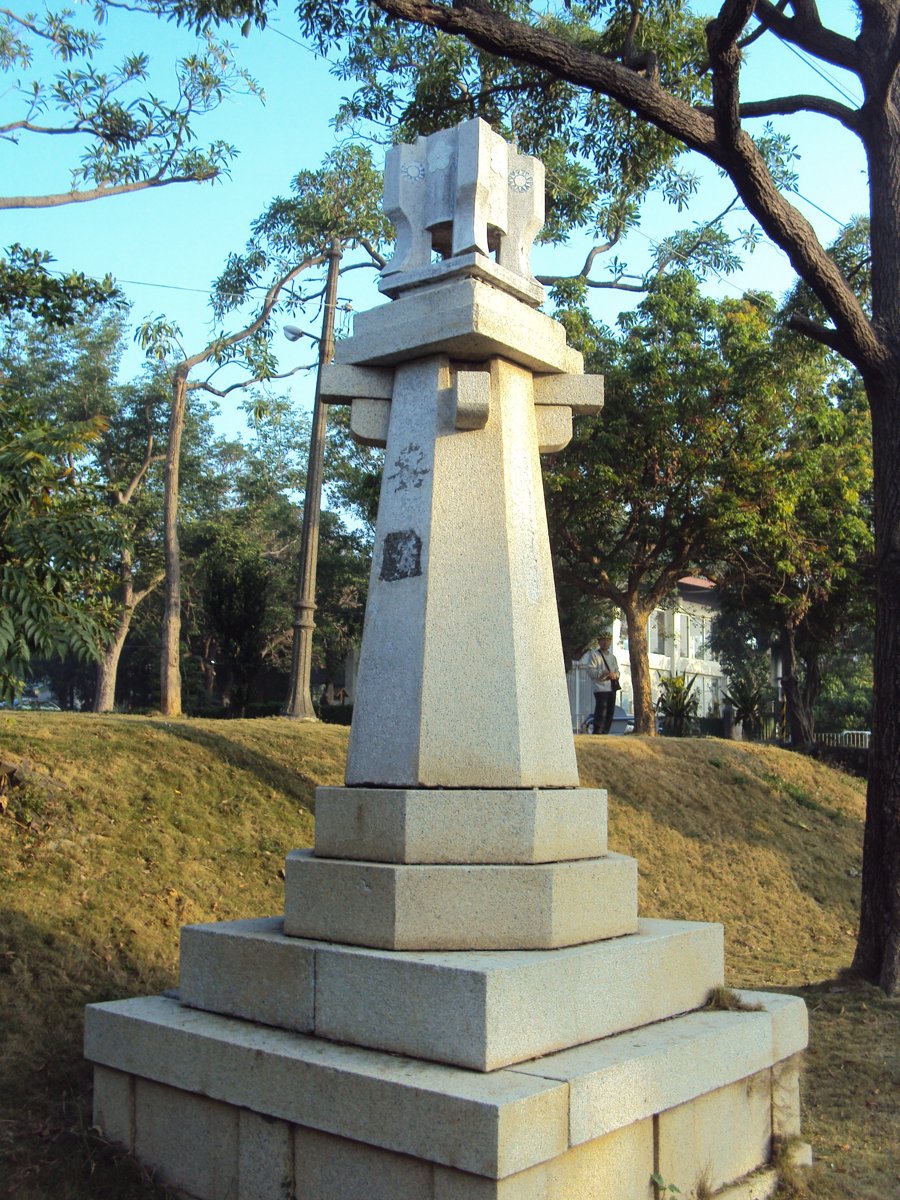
column 603, row 669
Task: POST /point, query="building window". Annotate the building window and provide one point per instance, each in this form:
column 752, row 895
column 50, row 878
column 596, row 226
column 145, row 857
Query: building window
column 658, row 640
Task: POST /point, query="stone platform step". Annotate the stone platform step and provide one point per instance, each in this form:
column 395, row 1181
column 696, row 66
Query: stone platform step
column 697, row 1097
column 459, row 907
column 476, row 1009
column 461, row 825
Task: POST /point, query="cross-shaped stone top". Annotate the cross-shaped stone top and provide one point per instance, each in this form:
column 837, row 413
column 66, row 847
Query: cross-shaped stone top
column 471, row 197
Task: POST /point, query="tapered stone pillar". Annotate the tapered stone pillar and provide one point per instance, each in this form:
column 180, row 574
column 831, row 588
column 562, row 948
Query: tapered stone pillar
column 459, row 1002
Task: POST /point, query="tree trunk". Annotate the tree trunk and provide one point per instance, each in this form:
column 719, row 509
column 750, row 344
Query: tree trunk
column 799, row 716
column 877, row 955
column 108, row 666
column 170, row 665
column 636, row 617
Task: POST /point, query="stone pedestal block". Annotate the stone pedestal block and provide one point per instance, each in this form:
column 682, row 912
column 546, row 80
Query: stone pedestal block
column 460, row 825
column 477, row 1009
column 466, row 319
column 227, row 1110
column 424, row 907
column 461, row 514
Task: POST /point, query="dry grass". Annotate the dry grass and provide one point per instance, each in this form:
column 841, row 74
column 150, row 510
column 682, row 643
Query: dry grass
column 131, row 827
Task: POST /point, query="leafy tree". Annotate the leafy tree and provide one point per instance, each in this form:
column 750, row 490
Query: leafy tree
column 805, row 574
column 342, row 200
column 130, row 137
column 54, row 541
column 235, row 594
column 70, row 372
column 656, row 486
column 28, row 286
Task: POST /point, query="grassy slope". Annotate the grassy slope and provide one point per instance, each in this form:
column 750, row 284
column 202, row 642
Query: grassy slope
column 138, row 825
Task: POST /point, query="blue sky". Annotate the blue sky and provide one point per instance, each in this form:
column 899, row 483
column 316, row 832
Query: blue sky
column 166, row 246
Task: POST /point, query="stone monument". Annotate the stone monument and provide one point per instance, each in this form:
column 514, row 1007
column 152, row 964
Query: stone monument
column 460, row 1002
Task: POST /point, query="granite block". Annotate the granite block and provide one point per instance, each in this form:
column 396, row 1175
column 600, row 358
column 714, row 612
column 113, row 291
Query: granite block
column 447, row 907
column 461, row 825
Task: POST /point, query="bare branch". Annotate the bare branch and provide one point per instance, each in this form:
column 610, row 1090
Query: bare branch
column 377, row 258
column 806, row 30
column 784, row 105
column 206, row 386
column 149, row 459
column 142, row 594
column 819, row 333
column 97, row 193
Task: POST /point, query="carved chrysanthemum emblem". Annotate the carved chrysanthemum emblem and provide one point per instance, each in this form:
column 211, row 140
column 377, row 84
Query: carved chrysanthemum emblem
column 520, row 180
column 413, row 171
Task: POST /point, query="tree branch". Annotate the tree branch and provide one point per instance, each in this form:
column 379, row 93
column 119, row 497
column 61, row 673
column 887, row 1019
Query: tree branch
column 206, row 386
column 819, row 333
column 806, row 30
column 150, row 458
column 152, row 584
column 97, row 193
column 784, row 105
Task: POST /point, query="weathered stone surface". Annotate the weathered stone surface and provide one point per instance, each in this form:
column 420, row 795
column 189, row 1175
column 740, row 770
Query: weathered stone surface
column 554, row 428
column 786, row 1097
column 114, row 1106
column 369, row 421
column 462, row 191
column 718, row 1138
column 332, row 1168
column 461, row 825
column 790, row 1020
column 461, row 514
column 248, row 969
column 480, row 1009
column 658, row 1067
column 490, row 1124
column 491, row 907
column 616, row 1167
column 487, row 1010
column 759, row 1185
column 342, row 384
column 190, row 1140
column 464, row 318
column 265, row 1158
column 581, row 394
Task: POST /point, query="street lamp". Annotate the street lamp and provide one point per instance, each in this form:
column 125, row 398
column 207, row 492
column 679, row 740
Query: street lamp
column 299, row 704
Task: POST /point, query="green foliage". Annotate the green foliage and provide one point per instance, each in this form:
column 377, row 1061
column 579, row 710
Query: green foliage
column 340, row 200
column 677, row 705
column 54, row 542
column 600, row 159
column 750, row 698
column 234, row 594
column 27, row 285
column 130, row 136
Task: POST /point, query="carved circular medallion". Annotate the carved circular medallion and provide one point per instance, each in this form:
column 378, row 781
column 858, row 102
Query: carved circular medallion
column 413, row 171
column 520, row 180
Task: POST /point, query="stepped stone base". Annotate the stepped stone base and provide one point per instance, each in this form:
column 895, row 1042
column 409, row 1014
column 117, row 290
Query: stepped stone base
column 481, row 1010
column 230, row 1110
column 460, row 825
column 459, row 907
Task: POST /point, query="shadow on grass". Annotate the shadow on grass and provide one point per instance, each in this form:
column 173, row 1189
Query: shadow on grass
column 269, row 772
column 47, row 1146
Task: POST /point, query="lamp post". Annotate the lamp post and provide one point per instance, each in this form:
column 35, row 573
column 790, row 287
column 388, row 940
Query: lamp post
column 299, row 704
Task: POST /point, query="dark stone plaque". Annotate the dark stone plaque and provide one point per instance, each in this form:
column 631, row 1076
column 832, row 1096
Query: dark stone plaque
column 402, row 556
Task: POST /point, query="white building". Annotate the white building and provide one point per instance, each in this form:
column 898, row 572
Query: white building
column 677, row 640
